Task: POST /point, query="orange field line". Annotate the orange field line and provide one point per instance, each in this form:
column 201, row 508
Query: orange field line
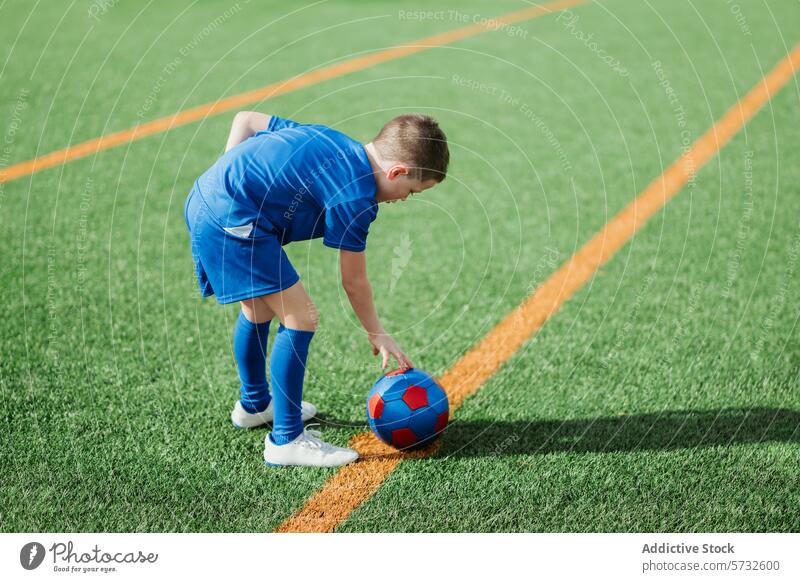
column 111, row 140
column 354, row 484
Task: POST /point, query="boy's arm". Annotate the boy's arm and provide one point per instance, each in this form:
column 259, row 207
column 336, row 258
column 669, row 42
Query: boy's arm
column 246, row 124
column 353, row 267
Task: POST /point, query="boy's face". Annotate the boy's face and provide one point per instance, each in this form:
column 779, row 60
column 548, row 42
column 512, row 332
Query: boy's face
column 396, row 184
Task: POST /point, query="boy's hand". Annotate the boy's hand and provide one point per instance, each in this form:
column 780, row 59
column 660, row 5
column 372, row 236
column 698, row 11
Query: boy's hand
column 384, row 345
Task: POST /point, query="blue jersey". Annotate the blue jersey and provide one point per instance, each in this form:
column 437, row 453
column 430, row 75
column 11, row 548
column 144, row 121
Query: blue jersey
column 295, row 181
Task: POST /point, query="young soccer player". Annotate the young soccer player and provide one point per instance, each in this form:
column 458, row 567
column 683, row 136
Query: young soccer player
column 281, row 181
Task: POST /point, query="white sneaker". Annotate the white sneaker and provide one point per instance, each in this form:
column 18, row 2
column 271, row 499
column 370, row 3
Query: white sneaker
column 243, row 419
column 307, row 450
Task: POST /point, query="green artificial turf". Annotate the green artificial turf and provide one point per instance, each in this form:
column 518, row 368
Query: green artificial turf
column 662, row 397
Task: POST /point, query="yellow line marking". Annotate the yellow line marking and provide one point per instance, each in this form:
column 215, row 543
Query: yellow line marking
column 353, row 484
column 187, row 116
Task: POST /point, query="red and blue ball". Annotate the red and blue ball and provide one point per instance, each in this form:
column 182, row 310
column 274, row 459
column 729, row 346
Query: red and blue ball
column 407, row 409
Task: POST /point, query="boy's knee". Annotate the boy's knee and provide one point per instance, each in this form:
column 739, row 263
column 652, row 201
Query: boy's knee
column 256, row 311
column 305, row 320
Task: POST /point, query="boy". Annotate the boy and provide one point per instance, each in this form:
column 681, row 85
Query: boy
column 280, row 181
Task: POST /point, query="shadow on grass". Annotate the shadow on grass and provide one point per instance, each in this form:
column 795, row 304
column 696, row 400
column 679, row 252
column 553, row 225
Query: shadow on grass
column 674, row 429
column 667, row 430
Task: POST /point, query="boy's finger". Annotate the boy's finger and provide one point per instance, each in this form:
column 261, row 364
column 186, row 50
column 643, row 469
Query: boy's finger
column 402, row 360
column 385, row 354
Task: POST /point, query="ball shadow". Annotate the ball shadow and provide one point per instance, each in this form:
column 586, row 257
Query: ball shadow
column 666, row 430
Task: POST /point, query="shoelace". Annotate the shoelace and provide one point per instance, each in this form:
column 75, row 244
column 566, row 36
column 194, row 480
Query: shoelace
column 312, row 439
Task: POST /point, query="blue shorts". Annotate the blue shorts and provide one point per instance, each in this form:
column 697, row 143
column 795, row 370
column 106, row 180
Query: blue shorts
column 234, row 267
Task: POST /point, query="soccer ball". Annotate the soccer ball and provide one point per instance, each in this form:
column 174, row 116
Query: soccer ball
column 407, row 408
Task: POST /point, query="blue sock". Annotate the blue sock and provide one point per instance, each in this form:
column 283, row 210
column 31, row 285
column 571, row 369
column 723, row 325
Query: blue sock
column 250, row 351
column 287, row 368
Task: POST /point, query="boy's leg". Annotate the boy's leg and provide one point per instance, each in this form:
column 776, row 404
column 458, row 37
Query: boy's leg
column 288, row 444
column 299, row 318
column 250, row 350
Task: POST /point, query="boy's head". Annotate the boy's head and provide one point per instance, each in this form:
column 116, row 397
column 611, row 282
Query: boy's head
column 408, row 155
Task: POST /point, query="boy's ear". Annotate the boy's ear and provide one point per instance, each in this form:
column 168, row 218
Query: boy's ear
column 397, row 170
